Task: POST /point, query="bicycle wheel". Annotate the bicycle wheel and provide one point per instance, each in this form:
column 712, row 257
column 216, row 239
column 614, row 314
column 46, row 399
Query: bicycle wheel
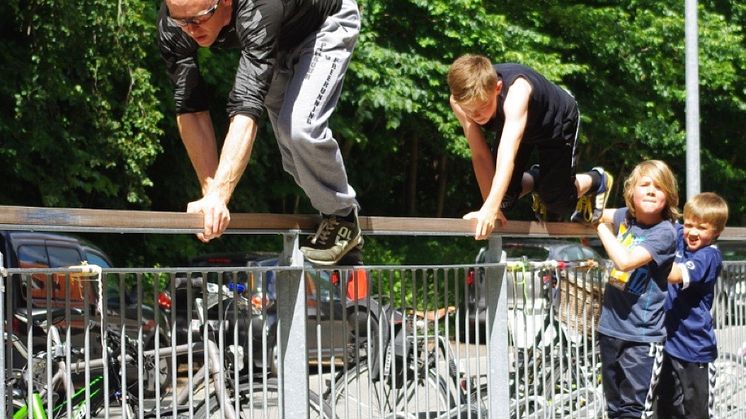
column 576, row 389
column 261, row 400
column 356, row 394
column 730, row 396
column 479, row 402
column 157, row 369
column 557, row 383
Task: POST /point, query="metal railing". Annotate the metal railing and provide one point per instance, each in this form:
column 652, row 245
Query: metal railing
column 284, row 339
column 395, row 348
column 379, row 341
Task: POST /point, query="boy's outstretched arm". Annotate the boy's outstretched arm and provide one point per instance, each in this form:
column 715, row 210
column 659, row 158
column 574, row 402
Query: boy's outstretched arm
column 481, row 156
column 676, row 276
column 607, row 216
column 624, row 259
column 516, row 113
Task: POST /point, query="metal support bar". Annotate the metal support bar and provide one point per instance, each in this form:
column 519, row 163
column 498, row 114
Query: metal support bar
column 691, row 35
column 497, row 327
column 2, row 345
column 291, row 325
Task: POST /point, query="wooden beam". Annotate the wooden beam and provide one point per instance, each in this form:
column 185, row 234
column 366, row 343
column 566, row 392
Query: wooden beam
column 81, row 219
column 123, row 220
column 116, row 221
column 458, row 226
column 733, row 233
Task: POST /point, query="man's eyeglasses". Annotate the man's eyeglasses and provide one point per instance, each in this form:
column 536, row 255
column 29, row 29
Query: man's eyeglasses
column 197, row 19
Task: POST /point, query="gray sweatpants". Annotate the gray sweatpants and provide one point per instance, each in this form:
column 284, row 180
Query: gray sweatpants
column 305, row 88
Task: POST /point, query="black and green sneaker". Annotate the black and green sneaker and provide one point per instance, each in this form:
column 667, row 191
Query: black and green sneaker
column 540, row 210
column 335, row 237
column 591, row 206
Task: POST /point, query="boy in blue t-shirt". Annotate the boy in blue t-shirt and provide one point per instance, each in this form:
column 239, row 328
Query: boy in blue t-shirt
column 640, row 241
column 685, row 389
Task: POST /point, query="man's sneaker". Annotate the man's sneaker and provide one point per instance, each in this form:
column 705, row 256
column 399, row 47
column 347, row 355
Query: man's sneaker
column 354, row 257
column 535, row 172
column 333, row 239
column 591, row 207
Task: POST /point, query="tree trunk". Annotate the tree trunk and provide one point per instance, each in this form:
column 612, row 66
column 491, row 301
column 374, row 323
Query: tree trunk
column 412, row 186
column 442, row 171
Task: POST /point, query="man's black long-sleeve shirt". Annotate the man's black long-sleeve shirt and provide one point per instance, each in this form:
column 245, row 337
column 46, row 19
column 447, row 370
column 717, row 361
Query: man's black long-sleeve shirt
column 260, row 28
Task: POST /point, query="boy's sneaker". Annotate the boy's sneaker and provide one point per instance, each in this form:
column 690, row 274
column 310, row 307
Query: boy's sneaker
column 591, row 207
column 333, row 239
column 537, row 205
column 540, row 210
column 583, row 211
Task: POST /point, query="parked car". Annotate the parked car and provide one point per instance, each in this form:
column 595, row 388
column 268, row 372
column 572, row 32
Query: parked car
column 50, row 250
column 732, row 250
column 327, row 300
column 527, row 285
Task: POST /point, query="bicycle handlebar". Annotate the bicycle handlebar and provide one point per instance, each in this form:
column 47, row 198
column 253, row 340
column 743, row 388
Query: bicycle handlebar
column 195, row 282
column 551, row 264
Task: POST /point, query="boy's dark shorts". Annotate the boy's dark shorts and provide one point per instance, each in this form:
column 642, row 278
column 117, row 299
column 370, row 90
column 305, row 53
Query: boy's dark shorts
column 557, row 164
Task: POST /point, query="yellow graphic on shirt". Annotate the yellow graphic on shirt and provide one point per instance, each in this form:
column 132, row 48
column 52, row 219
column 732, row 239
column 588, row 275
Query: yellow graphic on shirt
column 619, row 278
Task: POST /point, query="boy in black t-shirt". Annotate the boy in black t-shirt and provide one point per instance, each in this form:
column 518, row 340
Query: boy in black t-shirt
column 526, row 112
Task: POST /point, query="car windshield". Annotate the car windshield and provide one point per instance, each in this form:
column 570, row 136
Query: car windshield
column 261, row 282
column 320, row 286
column 533, row 253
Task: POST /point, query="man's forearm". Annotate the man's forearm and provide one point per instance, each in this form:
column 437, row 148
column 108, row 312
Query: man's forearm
column 234, row 156
column 198, row 137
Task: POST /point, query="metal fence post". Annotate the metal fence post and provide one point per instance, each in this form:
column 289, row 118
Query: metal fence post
column 497, row 341
column 2, row 346
column 291, row 325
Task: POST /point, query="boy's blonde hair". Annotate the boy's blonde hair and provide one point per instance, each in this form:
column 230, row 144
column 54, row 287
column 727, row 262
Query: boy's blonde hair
column 471, row 79
column 663, row 178
column 708, row 207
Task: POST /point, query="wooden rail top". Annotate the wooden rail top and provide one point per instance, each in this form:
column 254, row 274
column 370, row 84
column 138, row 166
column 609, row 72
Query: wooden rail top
column 125, row 221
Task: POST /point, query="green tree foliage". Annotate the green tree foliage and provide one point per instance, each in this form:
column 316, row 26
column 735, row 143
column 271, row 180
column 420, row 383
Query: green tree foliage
column 79, row 122
column 87, row 116
column 632, row 94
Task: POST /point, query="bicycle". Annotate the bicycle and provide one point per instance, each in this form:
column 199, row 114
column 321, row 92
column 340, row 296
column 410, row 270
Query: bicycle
column 406, row 379
column 557, row 373
column 238, row 393
column 45, row 384
column 45, row 392
column 43, row 387
column 729, row 393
